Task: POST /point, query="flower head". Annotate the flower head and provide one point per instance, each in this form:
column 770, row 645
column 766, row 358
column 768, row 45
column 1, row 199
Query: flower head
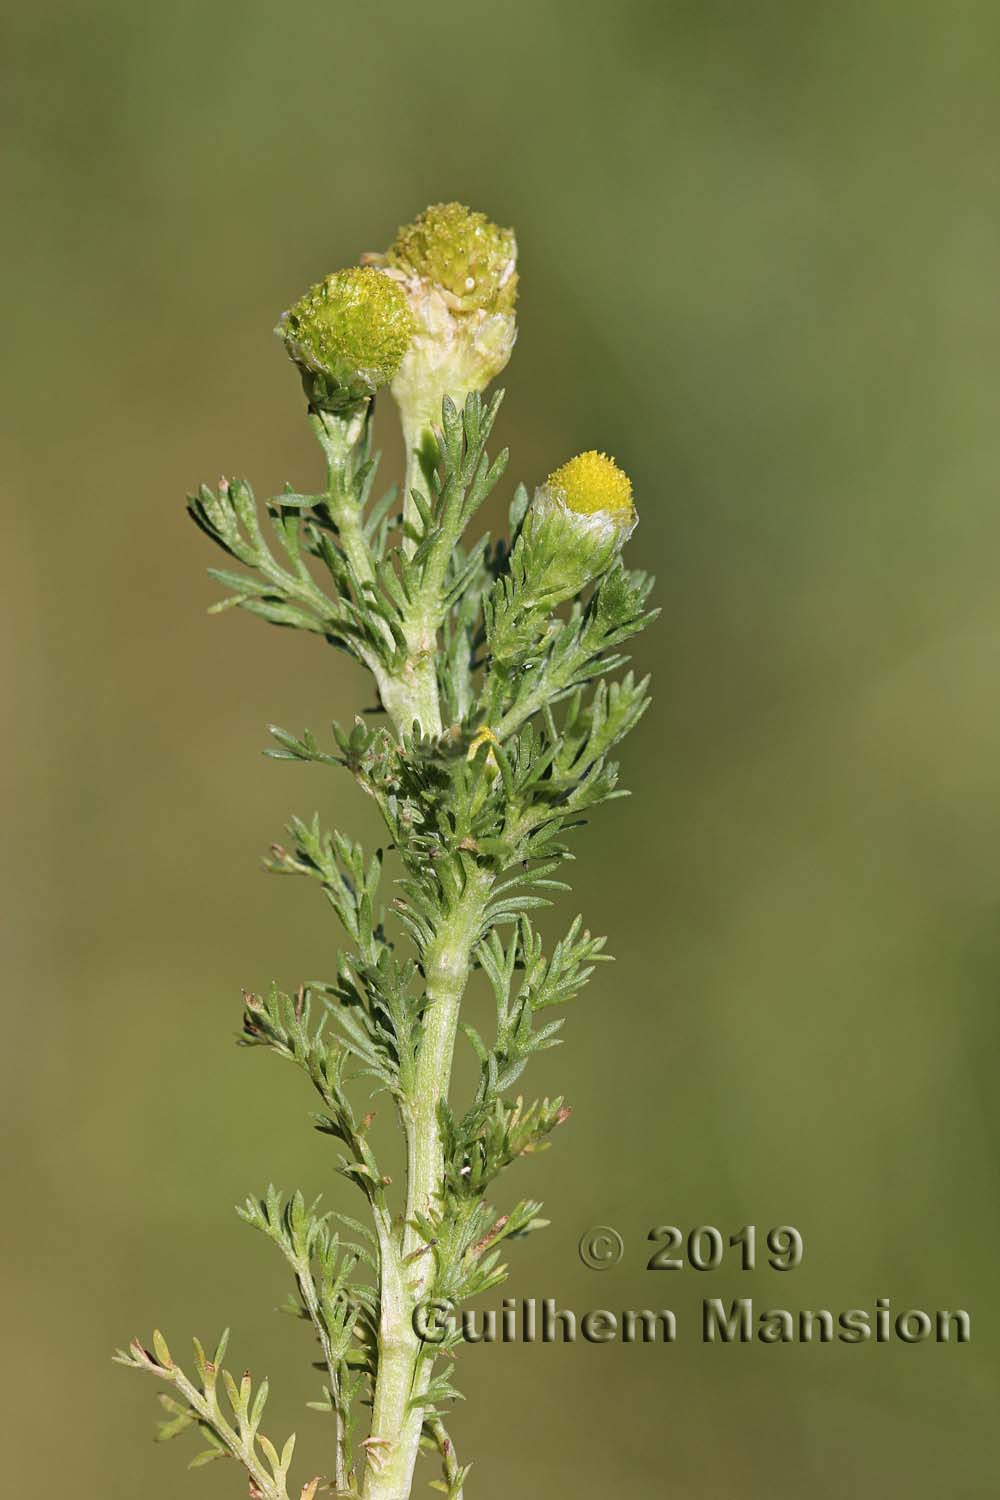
column 592, row 482
column 351, row 330
column 458, row 272
column 471, row 259
column 578, row 521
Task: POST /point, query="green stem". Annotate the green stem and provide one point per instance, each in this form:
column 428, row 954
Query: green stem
column 340, row 438
column 552, row 680
column 422, row 457
column 412, row 692
column 307, row 1287
column 447, row 1451
column 404, row 1363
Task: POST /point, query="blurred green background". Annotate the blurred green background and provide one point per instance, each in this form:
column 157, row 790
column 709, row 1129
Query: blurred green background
column 759, row 249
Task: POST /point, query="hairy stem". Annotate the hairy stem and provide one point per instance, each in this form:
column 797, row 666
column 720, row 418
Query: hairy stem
column 446, row 1449
column 307, row 1288
column 340, row 438
column 422, row 455
column 404, row 1366
column 411, row 694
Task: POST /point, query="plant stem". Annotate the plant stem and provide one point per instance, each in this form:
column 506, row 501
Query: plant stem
column 422, row 456
column 404, row 1364
column 404, row 1368
column 412, row 693
column 340, row 437
column 447, row 1452
column 307, row 1288
column 448, row 962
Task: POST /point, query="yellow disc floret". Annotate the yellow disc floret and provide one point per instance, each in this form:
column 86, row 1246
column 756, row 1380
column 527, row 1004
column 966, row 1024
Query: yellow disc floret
column 354, row 326
column 483, row 736
column 461, row 251
column 592, row 482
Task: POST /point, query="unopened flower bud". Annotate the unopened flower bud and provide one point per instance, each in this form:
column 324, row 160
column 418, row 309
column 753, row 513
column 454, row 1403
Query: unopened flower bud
column 348, row 335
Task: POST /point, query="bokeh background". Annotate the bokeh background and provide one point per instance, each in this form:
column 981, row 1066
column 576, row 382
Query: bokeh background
column 759, row 255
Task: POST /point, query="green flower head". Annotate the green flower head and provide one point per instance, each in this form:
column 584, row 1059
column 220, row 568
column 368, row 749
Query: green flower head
column 464, row 253
column 458, row 271
column 351, row 330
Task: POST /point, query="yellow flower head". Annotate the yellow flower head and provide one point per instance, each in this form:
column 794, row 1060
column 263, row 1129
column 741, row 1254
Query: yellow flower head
column 577, row 523
column 461, row 251
column 592, row 482
column 354, row 326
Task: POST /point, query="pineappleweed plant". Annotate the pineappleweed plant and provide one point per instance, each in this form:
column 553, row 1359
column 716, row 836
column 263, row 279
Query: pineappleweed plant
column 491, row 662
